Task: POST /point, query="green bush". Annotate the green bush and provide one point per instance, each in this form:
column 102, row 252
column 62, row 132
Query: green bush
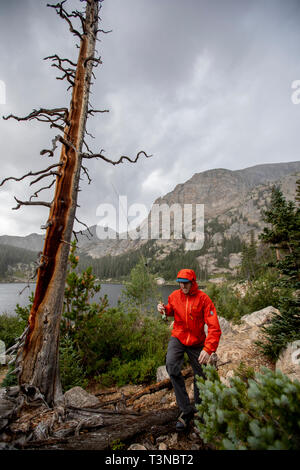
column 71, row 370
column 283, row 236
column 227, row 301
column 141, row 288
column 10, row 379
column 11, row 327
column 118, row 345
column 127, row 346
column 265, row 291
column 261, row 293
column 284, row 328
column 260, row 411
column 132, row 372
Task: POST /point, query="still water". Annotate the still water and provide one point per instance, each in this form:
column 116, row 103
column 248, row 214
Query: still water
column 11, row 294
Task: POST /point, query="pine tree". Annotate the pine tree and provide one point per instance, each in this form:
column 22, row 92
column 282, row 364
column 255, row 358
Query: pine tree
column 249, row 265
column 141, row 288
column 298, row 191
column 259, row 411
column 284, row 236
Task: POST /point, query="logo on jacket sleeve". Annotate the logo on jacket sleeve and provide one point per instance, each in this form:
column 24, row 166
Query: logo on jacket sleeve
column 211, row 312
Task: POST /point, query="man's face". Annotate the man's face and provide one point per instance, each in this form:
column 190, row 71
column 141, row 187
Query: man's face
column 185, row 287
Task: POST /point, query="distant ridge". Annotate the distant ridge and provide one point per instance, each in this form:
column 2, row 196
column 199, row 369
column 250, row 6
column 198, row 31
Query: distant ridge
column 233, row 199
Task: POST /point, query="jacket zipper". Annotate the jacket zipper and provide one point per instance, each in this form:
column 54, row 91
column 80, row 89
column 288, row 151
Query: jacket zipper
column 186, row 318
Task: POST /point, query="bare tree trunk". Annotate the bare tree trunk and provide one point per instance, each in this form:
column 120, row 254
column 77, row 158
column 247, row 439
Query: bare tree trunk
column 39, row 357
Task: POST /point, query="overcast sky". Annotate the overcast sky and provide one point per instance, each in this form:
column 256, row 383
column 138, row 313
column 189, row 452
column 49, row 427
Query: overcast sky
column 199, row 84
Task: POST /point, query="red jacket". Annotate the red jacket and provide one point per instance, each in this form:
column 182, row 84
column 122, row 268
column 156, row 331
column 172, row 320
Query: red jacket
column 191, row 312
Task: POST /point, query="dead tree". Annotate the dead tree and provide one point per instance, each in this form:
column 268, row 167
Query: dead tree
column 37, row 356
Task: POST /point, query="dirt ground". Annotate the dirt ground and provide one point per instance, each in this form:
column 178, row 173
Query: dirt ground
column 169, row 439
column 3, row 372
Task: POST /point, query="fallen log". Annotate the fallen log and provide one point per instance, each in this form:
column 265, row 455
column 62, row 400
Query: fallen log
column 74, row 428
column 156, row 387
column 164, row 384
column 123, row 428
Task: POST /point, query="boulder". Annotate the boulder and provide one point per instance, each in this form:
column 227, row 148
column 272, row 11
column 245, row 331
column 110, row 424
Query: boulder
column 80, row 398
column 217, row 238
column 289, row 361
column 235, row 260
column 237, row 343
column 224, row 325
column 162, row 446
column 161, row 374
column 218, row 280
column 261, row 317
column 160, row 281
column 136, row 446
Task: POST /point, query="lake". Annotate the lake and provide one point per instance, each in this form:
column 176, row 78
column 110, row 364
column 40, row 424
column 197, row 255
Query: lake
column 10, row 295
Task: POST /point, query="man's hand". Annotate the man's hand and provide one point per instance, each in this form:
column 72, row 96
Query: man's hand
column 161, row 308
column 203, row 357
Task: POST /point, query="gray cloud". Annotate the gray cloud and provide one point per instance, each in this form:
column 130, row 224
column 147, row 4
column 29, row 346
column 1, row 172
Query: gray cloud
column 198, row 84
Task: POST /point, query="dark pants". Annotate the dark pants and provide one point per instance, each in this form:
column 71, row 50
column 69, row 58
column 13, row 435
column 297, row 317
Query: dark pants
column 174, row 361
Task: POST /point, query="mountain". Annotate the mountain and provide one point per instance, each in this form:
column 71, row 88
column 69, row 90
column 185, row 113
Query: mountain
column 232, row 199
column 32, row 242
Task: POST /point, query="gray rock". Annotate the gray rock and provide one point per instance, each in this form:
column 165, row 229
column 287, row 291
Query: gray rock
column 289, row 361
column 161, row 374
column 217, row 238
column 174, row 438
column 260, row 317
column 136, row 447
column 80, row 398
column 213, row 359
column 162, row 446
column 217, row 280
column 163, row 400
column 235, row 260
column 225, row 325
column 195, row 447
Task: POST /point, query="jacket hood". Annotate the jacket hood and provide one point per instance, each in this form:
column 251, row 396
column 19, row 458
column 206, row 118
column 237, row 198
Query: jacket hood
column 191, row 276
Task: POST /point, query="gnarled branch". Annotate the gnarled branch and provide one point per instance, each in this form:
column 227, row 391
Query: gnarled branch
column 31, row 173
column 82, row 223
column 30, row 203
column 94, row 60
column 60, row 113
column 51, row 173
column 66, row 16
column 86, row 173
column 56, row 139
column 69, row 73
column 60, row 60
column 92, row 111
column 42, row 189
column 123, row 157
column 50, row 115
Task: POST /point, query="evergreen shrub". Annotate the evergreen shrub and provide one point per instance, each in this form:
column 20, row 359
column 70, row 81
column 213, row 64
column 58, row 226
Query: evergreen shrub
column 72, row 373
column 11, row 327
column 259, row 411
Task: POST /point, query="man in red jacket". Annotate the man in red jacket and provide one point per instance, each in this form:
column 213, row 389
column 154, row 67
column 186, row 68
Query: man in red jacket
column 191, row 309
